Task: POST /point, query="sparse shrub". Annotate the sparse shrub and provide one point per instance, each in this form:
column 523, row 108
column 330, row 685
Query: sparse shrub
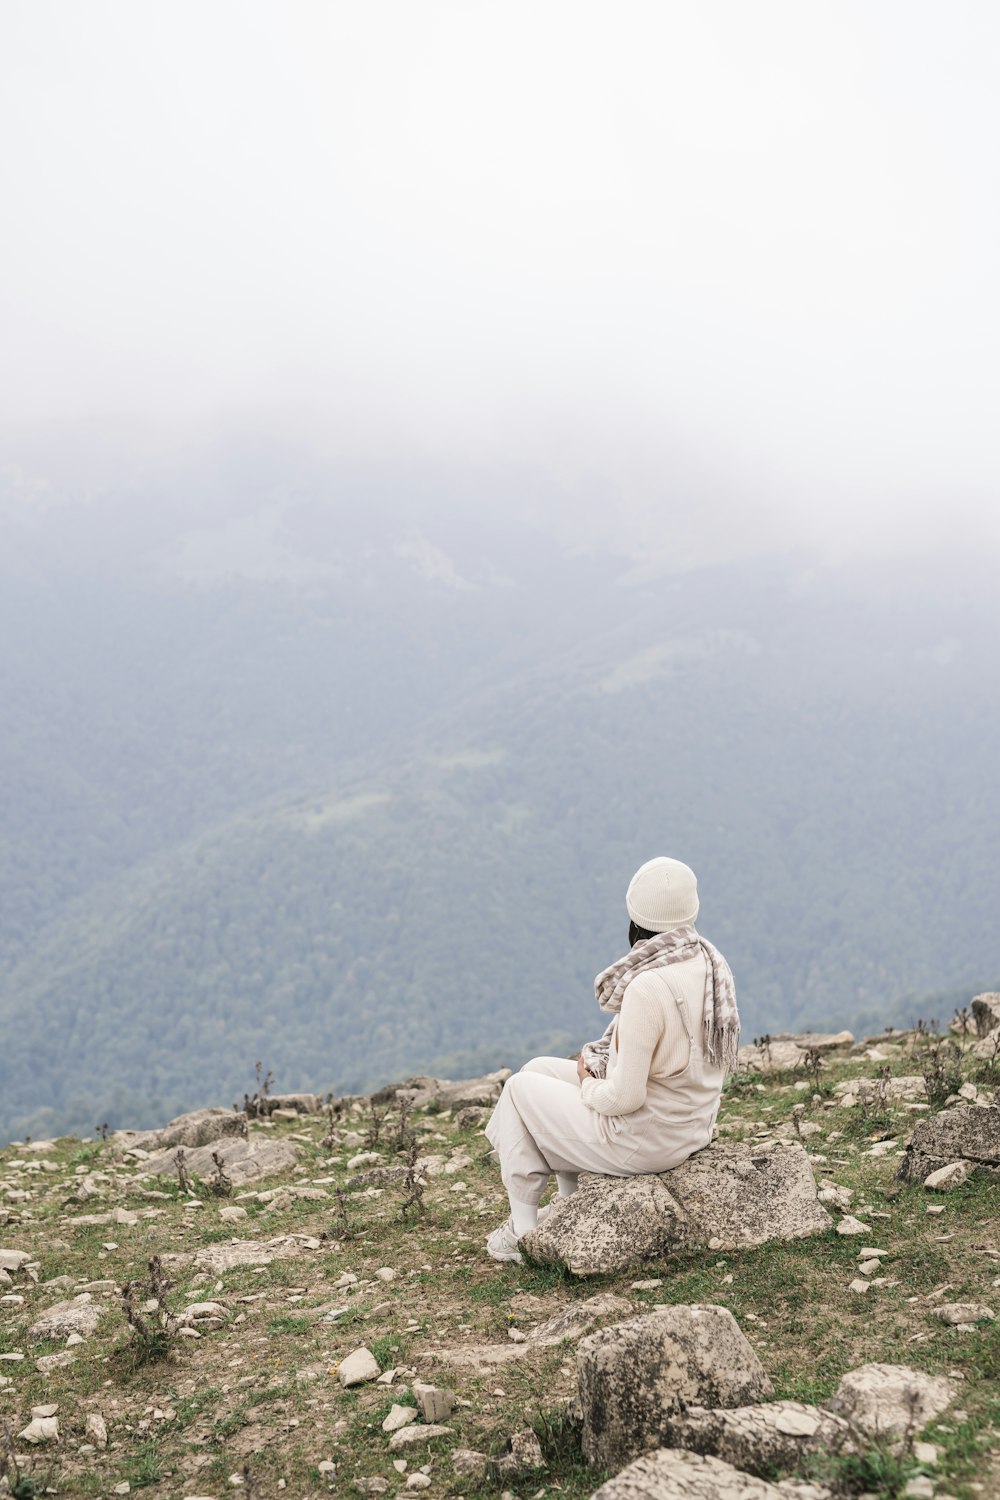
column 343, row 1228
column 250, row 1488
column 413, row 1183
column 221, row 1184
column 377, row 1115
column 102, row 1130
column 153, row 1332
column 257, row 1106
column 878, row 1470
column 403, row 1130
column 813, row 1063
column 20, row 1484
column 333, row 1110
column 183, row 1180
column 873, row 1100
column 941, row 1063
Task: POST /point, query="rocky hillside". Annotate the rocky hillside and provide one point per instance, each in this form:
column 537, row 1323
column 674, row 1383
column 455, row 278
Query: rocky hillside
column 296, row 1299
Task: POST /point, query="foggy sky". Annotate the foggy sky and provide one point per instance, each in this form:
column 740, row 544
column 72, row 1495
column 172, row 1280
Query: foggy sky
column 676, row 259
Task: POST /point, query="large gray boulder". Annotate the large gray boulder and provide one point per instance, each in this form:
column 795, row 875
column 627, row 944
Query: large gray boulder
column 671, row 1474
column 242, row 1160
column 734, row 1196
column 988, row 1047
column 197, row 1128
column 729, row 1196
column 608, row 1224
column 81, row 1316
column 962, row 1133
column 891, row 1400
column 787, row 1051
column 424, row 1092
column 633, row 1376
column 13, row 1260
column 986, row 1013
column 303, row 1104
column 775, row 1436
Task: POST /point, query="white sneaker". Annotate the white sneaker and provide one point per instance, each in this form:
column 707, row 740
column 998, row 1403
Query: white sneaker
column 502, row 1243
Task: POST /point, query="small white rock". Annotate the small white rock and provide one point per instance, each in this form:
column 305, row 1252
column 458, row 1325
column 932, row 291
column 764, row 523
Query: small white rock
column 41, row 1430
column 398, row 1416
column 97, row 1430
column 851, row 1225
column 359, row 1366
column 949, row 1177
column 420, row 1433
column 963, row 1314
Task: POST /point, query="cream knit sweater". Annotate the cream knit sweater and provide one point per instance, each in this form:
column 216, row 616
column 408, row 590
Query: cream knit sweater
column 650, row 1043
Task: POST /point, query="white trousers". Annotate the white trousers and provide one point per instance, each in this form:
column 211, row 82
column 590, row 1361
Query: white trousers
column 541, row 1125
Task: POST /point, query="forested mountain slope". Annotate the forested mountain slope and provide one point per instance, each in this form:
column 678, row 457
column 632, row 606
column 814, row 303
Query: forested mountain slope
column 382, row 822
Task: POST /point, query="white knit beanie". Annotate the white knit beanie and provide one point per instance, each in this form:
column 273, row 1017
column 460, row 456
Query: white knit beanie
column 663, row 893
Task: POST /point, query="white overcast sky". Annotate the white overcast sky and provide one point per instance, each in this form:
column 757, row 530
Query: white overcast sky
column 634, row 246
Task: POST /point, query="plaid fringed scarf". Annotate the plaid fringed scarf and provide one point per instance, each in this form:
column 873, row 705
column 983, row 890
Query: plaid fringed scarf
column 721, row 1038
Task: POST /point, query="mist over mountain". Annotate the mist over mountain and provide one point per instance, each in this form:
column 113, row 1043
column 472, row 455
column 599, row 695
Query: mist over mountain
column 353, row 782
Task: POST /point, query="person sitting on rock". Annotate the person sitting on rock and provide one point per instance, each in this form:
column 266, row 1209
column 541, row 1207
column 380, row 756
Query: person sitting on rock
column 643, row 1097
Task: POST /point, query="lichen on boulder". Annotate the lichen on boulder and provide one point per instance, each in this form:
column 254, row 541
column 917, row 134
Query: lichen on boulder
column 633, row 1376
column 729, row 1196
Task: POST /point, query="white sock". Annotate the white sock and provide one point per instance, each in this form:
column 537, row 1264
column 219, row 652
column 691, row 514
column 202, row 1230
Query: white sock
column 566, row 1183
column 525, row 1217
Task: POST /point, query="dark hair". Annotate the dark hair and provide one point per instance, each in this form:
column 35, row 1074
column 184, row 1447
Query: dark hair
column 637, row 934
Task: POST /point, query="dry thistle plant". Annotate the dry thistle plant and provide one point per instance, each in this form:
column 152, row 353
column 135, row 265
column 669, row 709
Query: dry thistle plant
column 764, row 1043
column 183, row 1179
column 221, row 1184
column 21, row 1484
column 376, row 1119
column 413, row 1182
column 813, row 1063
column 257, row 1106
column 941, row 1063
column 873, row 1099
column 404, row 1133
column 343, row 1228
column 151, row 1321
column 333, row 1109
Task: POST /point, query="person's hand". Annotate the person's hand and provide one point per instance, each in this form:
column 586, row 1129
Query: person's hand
column 582, row 1071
